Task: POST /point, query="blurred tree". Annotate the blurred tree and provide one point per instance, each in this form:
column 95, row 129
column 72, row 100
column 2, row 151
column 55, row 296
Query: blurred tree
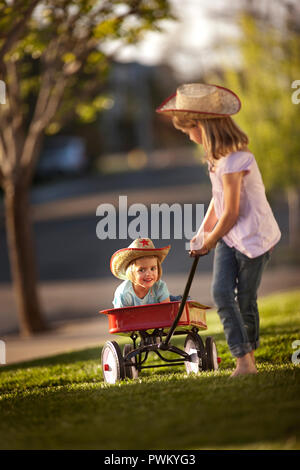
column 270, row 66
column 53, row 59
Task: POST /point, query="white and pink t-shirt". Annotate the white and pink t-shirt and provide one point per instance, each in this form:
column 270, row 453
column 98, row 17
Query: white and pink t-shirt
column 256, row 230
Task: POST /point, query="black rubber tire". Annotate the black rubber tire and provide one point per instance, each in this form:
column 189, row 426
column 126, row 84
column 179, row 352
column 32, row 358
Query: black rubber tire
column 194, row 341
column 111, row 353
column 211, row 354
column 130, row 372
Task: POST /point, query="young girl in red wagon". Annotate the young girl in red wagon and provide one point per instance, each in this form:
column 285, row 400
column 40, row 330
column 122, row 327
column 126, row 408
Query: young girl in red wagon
column 139, row 266
column 239, row 222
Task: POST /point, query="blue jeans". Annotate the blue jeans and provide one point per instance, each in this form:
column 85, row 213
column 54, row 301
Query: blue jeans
column 236, row 279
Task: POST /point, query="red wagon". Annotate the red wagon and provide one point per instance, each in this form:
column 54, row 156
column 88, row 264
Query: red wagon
column 151, row 327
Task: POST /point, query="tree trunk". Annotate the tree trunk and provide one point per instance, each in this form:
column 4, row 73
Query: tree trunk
column 22, row 257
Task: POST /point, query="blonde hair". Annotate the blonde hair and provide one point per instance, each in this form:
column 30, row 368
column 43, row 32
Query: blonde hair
column 220, row 136
column 132, row 266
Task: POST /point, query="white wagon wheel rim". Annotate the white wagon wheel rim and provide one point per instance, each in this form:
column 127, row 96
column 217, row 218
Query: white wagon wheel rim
column 192, row 367
column 215, row 356
column 110, row 365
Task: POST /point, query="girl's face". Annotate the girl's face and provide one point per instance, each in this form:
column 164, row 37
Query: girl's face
column 194, row 134
column 146, row 271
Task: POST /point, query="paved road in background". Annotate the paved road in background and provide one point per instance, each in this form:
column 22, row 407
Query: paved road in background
column 65, row 220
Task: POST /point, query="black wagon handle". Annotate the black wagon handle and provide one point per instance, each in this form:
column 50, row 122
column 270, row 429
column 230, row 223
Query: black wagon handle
column 183, row 300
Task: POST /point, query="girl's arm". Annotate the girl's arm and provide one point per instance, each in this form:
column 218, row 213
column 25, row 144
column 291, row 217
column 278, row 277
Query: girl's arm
column 232, row 190
column 210, row 218
column 208, row 223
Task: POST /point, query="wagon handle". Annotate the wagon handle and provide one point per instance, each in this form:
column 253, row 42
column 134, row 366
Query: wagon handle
column 183, row 301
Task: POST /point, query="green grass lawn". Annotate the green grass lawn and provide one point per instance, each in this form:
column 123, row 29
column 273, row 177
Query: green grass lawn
column 62, row 402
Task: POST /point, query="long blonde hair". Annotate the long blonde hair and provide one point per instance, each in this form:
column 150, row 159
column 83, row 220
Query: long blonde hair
column 220, row 136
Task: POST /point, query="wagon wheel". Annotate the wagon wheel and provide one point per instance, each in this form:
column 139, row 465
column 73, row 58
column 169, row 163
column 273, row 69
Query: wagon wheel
column 130, row 371
column 112, row 362
column 194, row 346
column 212, row 354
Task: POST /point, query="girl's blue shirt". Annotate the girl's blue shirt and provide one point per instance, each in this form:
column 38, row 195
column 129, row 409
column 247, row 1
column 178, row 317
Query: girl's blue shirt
column 126, row 297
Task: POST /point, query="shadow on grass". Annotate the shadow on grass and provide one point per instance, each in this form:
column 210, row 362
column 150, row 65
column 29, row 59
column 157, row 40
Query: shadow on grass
column 87, row 354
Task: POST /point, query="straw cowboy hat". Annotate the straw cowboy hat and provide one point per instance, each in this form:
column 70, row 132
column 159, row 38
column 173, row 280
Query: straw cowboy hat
column 139, row 248
column 200, row 101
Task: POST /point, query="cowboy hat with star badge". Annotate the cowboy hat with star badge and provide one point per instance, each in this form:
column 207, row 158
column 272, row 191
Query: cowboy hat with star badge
column 139, row 248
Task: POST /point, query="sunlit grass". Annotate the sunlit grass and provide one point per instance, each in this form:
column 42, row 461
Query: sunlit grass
column 62, row 402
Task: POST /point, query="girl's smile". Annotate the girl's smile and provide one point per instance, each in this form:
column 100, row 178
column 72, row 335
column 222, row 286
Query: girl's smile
column 145, row 275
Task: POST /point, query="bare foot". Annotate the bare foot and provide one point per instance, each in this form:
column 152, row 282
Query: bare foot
column 252, row 356
column 244, row 366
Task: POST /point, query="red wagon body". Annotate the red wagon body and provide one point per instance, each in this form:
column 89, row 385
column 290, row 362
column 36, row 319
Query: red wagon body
column 126, row 320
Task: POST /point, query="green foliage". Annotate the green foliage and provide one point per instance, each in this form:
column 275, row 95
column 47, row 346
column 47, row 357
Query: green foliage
column 270, row 63
column 61, row 402
column 67, row 39
column 88, row 111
